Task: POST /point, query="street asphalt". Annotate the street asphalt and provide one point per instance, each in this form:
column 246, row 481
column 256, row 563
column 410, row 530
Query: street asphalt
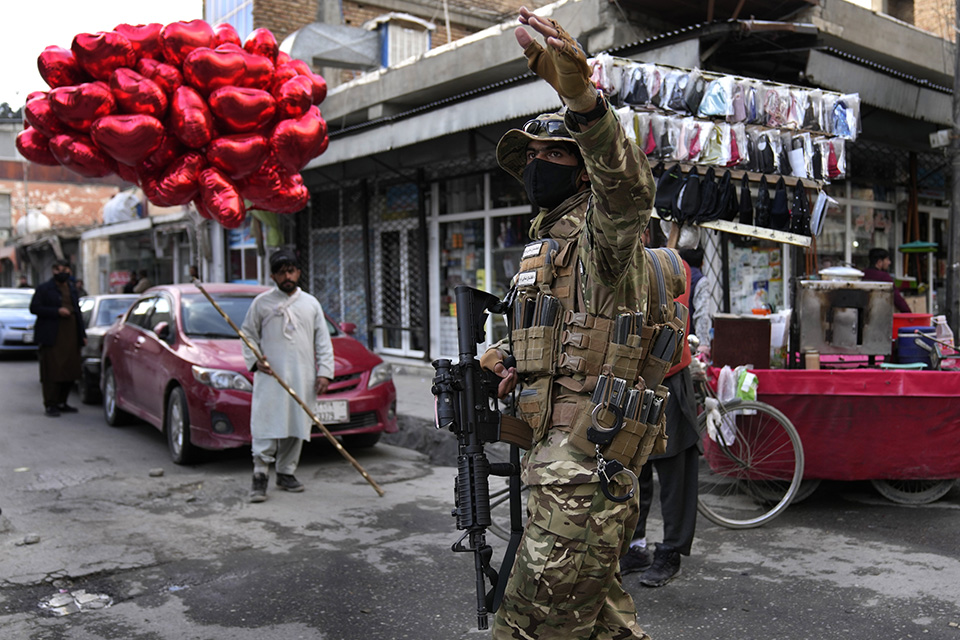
column 157, row 551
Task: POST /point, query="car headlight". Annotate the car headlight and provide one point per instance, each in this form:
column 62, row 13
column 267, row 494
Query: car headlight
column 221, row 379
column 381, row 373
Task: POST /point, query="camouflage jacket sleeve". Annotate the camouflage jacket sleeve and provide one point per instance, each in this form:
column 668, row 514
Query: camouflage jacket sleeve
column 623, row 190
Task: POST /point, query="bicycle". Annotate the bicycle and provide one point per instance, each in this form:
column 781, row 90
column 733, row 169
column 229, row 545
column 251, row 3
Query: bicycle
column 752, row 463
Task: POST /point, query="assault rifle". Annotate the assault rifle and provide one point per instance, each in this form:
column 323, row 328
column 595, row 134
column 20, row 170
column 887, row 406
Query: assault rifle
column 466, row 405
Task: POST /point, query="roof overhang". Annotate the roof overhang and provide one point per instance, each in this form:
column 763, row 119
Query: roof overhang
column 880, row 89
column 515, row 101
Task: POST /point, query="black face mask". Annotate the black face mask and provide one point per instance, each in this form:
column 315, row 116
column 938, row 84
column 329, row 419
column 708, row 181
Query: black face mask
column 548, row 184
column 61, row 277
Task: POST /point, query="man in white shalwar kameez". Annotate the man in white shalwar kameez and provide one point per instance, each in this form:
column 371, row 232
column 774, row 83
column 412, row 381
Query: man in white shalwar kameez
column 288, row 327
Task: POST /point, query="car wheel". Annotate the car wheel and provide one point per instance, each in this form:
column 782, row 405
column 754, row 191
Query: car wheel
column 89, row 392
column 361, row 440
column 177, row 427
column 114, row 415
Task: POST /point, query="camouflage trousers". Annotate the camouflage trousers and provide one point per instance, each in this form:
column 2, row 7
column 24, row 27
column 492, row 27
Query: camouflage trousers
column 565, row 582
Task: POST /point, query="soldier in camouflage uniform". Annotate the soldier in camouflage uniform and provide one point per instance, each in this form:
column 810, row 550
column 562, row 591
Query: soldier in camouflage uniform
column 597, row 194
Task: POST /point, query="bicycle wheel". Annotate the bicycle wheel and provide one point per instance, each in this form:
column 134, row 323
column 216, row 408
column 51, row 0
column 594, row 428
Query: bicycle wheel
column 751, row 470
column 913, row 491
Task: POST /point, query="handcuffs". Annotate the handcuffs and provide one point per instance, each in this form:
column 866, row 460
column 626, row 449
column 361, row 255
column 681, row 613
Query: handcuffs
column 610, row 469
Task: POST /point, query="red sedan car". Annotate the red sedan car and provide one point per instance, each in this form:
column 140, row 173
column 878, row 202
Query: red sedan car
column 173, row 361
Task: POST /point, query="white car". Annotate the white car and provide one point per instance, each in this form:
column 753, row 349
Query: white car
column 16, row 321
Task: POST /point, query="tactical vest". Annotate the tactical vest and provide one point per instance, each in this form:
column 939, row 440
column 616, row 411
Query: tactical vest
column 597, row 375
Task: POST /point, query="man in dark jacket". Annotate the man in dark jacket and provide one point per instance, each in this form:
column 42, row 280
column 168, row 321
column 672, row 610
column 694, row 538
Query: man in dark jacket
column 878, row 271
column 60, row 335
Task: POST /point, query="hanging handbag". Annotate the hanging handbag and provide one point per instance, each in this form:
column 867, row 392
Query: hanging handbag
column 779, row 207
column 761, row 216
column 746, row 204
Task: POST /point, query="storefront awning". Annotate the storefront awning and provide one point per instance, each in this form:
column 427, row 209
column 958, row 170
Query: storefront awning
column 879, row 89
column 512, row 102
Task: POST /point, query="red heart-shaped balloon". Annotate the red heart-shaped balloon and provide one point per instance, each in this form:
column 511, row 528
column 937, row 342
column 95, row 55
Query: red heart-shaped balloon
column 39, row 114
column 201, row 209
column 319, row 84
column 128, row 173
column 129, row 139
column 243, row 110
column 282, row 58
column 35, row 147
column 258, row 72
column 59, row 68
column 137, row 94
column 292, row 196
column 294, row 97
column 190, row 118
column 239, row 155
column 261, row 184
column 207, row 70
column 169, row 150
column 102, row 52
column 178, row 184
column 78, row 153
column 262, row 43
column 167, row 76
column 225, row 33
column 178, row 39
column 79, row 105
column 281, row 75
column 144, row 38
column 221, row 199
column 296, row 142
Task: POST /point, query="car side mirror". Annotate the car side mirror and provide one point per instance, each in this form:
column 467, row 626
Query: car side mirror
column 348, row 328
column 162, row 329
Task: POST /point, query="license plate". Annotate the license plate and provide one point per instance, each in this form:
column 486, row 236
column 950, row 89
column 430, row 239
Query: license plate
column 28, row 337
column 333, row 411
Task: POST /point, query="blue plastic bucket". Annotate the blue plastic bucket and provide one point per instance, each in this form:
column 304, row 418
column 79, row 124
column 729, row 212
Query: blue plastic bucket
column 907, row 348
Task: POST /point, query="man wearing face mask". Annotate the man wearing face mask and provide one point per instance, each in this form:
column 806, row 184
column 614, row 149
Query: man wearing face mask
column 60, row 335
column 288, row 328
column 594, row 190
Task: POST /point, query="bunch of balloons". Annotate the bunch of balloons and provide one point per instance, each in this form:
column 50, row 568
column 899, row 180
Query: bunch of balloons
column 186, row 111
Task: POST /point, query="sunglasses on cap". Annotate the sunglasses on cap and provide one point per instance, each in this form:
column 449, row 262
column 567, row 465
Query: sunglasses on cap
column 550, row 127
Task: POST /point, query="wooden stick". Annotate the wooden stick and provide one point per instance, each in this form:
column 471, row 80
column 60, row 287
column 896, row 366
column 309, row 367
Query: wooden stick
column 293, row 394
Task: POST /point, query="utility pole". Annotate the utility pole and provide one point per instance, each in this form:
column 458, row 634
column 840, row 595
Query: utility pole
column 953, row 224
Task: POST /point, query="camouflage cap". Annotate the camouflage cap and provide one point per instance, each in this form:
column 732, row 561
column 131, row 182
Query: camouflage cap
column 512, row 148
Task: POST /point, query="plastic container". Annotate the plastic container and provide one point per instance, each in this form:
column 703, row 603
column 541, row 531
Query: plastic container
column 908, row 350
column 901, row 320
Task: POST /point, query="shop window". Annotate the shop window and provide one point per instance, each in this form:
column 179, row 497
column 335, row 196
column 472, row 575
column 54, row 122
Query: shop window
column 510, row 235
column 756, row 276
column 506, row 191
column 242, row 258
column 461, row 194
column 871, row 227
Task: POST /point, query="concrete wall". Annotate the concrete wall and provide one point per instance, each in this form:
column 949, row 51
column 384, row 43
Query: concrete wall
column 887, row 41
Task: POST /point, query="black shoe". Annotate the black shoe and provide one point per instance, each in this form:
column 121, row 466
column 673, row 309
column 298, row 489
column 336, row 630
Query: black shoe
column 52, row 412
column 65, row 408
column 258, row 493
column 287, row 482
column 665, row 567
column 636, row 559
